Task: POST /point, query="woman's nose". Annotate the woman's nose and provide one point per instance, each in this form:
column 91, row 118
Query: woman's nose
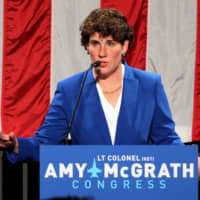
column 102, row 51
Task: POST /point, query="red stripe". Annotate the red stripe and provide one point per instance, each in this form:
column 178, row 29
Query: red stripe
column 26, row 65
column 136, row 12
column 196, row 112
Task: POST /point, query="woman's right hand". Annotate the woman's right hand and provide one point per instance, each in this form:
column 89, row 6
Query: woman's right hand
column 8, row 142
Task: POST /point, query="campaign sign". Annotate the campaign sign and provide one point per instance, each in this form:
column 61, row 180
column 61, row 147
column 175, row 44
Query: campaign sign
column 119, row 172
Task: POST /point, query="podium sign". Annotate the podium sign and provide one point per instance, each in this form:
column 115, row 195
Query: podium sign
column 119, row 172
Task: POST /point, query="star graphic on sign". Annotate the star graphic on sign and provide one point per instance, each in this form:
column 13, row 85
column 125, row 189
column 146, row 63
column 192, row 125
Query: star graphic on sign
column 94, row 170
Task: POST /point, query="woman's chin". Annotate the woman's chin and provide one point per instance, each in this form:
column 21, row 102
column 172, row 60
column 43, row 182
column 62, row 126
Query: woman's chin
column 101, row 73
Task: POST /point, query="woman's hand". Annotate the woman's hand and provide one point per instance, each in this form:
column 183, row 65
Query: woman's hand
column 8, row 142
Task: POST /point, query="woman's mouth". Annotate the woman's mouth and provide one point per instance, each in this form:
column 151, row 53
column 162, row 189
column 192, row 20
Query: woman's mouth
column 103, row 64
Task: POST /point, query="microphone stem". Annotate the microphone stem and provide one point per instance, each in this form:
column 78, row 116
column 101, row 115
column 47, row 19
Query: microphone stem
column 76, row 105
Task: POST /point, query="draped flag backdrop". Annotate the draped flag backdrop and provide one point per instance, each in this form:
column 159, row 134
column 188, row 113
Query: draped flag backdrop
column 40, row 45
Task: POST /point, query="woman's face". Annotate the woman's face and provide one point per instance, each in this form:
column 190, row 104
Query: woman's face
column 108, row 51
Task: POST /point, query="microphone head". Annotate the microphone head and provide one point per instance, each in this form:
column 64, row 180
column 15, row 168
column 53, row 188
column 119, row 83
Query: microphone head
column 96, row 64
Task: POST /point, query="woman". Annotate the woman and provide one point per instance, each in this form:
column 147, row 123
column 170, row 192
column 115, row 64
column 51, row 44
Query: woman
column 119, row 104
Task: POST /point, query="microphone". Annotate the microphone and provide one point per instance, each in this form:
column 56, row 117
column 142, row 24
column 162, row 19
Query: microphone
column 67, row 140
column 96, row 64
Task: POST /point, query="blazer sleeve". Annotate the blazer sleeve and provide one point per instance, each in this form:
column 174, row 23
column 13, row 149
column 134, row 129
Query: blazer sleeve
column 163, row 126
column 52, row 132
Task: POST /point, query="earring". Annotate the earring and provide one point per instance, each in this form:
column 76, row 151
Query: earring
column 124, row 54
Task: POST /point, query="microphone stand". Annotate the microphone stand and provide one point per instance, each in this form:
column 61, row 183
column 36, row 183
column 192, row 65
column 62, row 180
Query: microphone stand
column 67, row 140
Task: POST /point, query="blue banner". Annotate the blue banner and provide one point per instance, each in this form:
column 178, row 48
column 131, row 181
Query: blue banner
column 119, row 172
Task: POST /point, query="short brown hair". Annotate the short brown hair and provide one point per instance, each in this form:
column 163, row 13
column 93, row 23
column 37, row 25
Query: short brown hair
column 106, row 22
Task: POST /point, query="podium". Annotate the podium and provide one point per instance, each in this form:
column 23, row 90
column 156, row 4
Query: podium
column 118, row 172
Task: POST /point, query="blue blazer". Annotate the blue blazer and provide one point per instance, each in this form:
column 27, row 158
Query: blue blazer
column 144, row 116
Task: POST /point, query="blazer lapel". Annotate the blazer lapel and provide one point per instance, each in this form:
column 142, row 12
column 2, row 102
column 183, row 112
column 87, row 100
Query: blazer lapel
column 125, row 126
column 91, row 99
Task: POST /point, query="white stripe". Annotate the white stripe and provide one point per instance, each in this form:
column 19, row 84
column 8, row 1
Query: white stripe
column 171, row 53
column 68, row 56
column 1, row 46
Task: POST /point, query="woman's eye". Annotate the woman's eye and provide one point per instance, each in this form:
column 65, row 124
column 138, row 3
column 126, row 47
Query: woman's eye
column 94, row 43
column 110, row 43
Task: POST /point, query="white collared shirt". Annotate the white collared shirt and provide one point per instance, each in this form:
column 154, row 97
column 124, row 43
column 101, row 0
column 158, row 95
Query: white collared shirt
column 111, row 114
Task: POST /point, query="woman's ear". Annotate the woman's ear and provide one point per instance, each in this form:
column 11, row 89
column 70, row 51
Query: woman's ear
column 87, row 49
column 125, row 46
